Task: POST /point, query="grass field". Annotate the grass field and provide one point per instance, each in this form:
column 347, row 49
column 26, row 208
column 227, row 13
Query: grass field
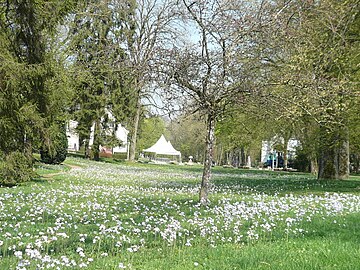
column 121, row 216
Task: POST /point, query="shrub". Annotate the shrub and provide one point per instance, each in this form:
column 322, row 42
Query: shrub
column 55, row 151
column 301, row 162
column 15, row 168
column 120, row 156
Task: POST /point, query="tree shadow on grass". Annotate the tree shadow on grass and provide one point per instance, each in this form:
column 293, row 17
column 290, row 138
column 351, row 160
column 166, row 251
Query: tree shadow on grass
column 272, row 185
column 263, row 181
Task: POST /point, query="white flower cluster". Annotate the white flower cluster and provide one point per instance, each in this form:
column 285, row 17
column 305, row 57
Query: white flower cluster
column 104, row 210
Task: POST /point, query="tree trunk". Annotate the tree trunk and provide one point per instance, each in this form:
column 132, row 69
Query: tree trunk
column 86, row 149
column 236, row 158
column 334, row 155
column 232, row 158
column 342, row 160
column 96, row 143
column 198, row 156
column 220, row 155
column 248, row 158
column 227, row 158
column 314, row 168
column 210, row 139
column 285, row 153
column 327, row 163
column 84, row 141
column 356, row 163
column 242, row 155
column 134, row 133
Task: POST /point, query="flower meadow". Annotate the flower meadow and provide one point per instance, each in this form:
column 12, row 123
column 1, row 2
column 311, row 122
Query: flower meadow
column 109, row 216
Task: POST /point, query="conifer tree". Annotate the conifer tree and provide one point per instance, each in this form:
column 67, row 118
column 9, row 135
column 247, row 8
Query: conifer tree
column 100, row 77
column 27, row 72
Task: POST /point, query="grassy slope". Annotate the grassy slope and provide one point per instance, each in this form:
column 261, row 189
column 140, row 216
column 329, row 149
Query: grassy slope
column 330, row 248
column 336, row 249
column 326, row 246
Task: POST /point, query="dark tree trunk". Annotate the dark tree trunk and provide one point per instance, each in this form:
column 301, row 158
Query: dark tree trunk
column 239, row 158
column 342, row 160
column 210, row 139
column 243, row 158
column 86, row 150
column 356, row 163
column 334, row 155
column 234, row 158
column 84, row 140
column 236, row 155
column 327, row 163
column 96, row 143
column 134, row 133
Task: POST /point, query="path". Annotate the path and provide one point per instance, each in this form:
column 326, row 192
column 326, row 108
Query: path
column 51, row 175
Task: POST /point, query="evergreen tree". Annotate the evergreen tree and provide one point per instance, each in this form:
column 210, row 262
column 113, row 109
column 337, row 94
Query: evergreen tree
column 56, row 150
column 27, row 72
column 100, row 77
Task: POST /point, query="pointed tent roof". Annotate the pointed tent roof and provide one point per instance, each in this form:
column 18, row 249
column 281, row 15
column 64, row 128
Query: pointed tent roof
column 171, row 149
column 163, row 147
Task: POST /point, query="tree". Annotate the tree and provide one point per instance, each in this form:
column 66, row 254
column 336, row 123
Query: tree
column 27, row 73
column 101, row 78
column 151, row 26
column 211, row 76
column 56, row 152
column 310, row 66
column 354, row 138
column 239, row 133
column 150, row 130
column 187, row 133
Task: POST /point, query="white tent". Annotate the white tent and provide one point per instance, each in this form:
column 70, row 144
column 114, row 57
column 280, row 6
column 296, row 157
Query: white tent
column 163, row 147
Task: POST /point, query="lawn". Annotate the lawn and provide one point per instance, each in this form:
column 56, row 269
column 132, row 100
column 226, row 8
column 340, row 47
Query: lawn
column 140, row 216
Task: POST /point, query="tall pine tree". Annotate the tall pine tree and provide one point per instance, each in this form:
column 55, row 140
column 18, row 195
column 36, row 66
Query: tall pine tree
column 27, row 72
column 101, row 79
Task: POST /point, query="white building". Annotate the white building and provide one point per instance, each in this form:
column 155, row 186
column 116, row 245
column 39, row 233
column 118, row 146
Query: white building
column 121, row 134
column 267, row 148
column 73, row 137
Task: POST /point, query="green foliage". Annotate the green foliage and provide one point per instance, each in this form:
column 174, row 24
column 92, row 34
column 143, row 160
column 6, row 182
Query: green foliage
column 19, row 113
column 31, row 73
column 55, row 149
column 15, row 168
column 100, row 79
column 150, row 130
column 314, row 67
column 187, row 134
column 302, row 162
column 239, row 133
